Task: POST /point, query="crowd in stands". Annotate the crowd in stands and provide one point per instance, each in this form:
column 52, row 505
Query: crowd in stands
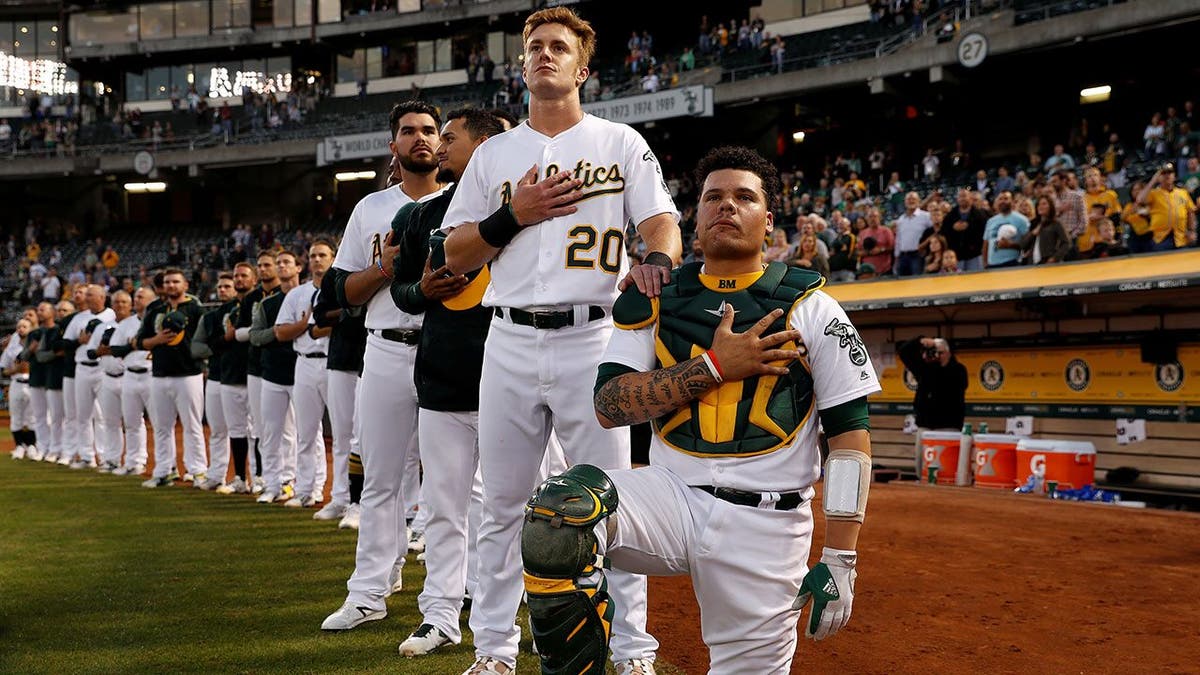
column 35, row 273
column 863, row 222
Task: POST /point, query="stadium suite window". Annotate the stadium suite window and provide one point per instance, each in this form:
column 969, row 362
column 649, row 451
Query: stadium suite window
column 47, row 40
column 230, row 14
column 92, row 29
column 135, row 86
column 329, row 11
column 156, row 21
column 191, row 18
column 24, row 43
column 350, row 68
column 6, row 37
column 158, row 83
column 290, row 13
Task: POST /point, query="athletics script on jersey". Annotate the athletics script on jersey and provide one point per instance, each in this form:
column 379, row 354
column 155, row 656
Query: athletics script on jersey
column 597, row 181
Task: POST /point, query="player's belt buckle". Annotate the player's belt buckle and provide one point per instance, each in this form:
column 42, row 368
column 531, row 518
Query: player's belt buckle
column 778, row 501
column 551, row 320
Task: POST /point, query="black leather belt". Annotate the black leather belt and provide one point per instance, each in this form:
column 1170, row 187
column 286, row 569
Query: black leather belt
column 408, row 337
column 547, row 320
column 139, row 371
column 786, row 502
column 89, row 363
column 315, row 355
column 22, row 380
column 115, row 374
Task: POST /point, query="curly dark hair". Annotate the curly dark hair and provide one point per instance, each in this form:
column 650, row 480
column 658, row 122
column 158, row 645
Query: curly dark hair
column 405, row 107
column 744, row 159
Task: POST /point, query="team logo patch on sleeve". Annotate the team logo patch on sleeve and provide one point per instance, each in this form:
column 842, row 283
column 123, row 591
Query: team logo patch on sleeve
column 849, row 340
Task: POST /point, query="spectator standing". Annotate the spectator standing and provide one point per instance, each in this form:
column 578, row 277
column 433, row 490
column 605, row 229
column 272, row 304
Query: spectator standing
column 1069, row 205
column 911, row 227
column 1004, row 233
column 110, row 259
column 940, row 400
column 1096, row 192
column 1113, row 156
column 935, row 247
column 808, row 255
column 1047, row 240
column 1172, row 211
column 930, row 165
column 779, row 250
column 1137, row 217
column 965, row 234
column 1153, row 137
column 877, row 243
column 1059, row 160
column 843, row 252
column 51, row 285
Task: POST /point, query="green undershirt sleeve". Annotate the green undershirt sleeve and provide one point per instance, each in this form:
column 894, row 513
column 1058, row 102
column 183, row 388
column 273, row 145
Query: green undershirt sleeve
column 849, row 416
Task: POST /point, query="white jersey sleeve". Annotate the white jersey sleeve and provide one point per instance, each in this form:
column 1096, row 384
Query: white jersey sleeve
column 470, row 201
column 841, row 366
column 71, row 332
column 295, row 304
column 11, row 349
column 632, row 349
column 646, row 192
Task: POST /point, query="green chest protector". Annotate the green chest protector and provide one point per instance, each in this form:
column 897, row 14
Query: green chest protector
column 738, row 418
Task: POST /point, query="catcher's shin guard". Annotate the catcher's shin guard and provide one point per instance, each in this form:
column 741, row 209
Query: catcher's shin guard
column 569, row 607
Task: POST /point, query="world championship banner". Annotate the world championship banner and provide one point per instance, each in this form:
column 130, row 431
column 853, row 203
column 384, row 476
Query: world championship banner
column 1108, row 376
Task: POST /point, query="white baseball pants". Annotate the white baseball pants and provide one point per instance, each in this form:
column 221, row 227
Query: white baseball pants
column 254, row 395
column 278, row 447
column 110, row 418
column 181, row 397
column 218, row 431
column 309, row 397
column 342, row 390
column 58, row 424
column 135, row 405
column 535, row 381
column 235, row 406
column 453, row 504
column 387, row 408
column 39, row 405
column 94, row 438
column 746, row 563
column 20, row 410
column 70, row 431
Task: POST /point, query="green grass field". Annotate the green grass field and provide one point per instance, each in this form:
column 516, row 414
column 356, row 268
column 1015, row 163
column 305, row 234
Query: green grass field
column 100, row 575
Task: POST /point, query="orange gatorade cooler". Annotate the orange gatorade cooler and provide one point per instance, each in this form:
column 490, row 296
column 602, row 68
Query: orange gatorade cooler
column 996, row 460
column 1072, row 464
column 939, row 449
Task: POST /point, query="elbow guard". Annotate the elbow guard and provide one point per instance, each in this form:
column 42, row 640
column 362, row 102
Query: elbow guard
column 847, row 481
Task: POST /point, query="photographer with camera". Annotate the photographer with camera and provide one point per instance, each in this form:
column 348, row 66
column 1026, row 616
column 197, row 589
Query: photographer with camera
column 1172, row 211
column 940, row 402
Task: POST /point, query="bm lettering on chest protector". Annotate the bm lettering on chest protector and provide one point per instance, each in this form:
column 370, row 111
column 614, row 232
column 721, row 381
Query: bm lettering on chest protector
column 750, row 417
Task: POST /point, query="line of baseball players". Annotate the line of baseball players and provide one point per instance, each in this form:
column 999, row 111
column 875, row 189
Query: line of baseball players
column 260, row 368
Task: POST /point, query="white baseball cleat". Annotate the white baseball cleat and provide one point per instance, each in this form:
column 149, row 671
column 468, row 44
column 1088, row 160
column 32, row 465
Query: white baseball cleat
column 64, row 461
column 107, row 467
column 416, row 541
column 331, row 511
column 211, row 483
column 189, row 478
column 236, row 487
column 634, row 667
column 350, row 519
column 19, row 452
column 156, row 482
column 259, row 485
column 286, row 492
column 350, row 615
column 78, row 464
column 135, row 470
column 34, row 453
column 425, row 639
column 395, row 580
column 487, row 665
column 267, row 497
column 305, row 502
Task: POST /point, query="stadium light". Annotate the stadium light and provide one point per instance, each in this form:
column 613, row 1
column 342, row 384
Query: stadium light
column 797, row 136
column 1095, row 94
column 142, row 188
column 347, row 176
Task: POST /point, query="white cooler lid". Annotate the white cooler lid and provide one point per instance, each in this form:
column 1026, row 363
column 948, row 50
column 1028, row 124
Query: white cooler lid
column 1057, row 445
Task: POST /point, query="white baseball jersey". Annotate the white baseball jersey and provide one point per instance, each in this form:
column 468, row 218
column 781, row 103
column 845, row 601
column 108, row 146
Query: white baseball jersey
column 109, row 364
column 841, row 372
column 366, row 232
column 570, row 260
column 126, row 331
column 79, row 322
column 12, row 349
column 298, row 301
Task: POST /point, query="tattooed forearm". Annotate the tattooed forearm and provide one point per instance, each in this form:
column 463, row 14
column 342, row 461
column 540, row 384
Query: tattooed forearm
column 634, row 398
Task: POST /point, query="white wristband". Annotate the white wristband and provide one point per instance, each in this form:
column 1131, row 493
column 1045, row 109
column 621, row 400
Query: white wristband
column 712, row 368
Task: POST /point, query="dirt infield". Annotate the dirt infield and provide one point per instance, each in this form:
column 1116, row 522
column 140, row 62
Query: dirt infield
column 968, row 580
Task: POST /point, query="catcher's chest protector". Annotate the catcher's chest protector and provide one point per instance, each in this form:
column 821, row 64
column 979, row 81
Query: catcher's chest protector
column 739, row 418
